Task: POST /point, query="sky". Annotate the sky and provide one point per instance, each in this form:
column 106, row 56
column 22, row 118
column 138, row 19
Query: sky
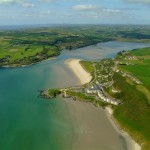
column 30, row 12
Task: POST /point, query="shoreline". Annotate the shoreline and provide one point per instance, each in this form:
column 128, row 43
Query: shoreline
column 27, row 65
column 74, row 65
column 84, row 77
column 92, row 133
column 50, row 58
column 133, row 144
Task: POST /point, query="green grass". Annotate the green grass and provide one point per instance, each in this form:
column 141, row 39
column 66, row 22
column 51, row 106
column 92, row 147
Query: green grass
column 145, row 81
column 21, row 54
column 141, row 52
column 134, row 114
column 18, row 52
column 54, row 92
column 88, row 66
column 141, row 71
column 84, row 98
column 81, row 96
column 138, row 70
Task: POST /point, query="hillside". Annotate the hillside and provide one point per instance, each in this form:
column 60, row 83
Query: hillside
column 134, row 113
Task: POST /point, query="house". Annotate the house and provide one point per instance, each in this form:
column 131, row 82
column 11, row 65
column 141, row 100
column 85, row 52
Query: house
column 113, row 102
column 101, row 95
column 93, row 89
column 115, row 91
column 108, row 100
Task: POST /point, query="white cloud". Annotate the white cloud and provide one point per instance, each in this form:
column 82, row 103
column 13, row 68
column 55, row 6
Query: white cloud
column 94, row 9
column 28, row 15
column 84, row 7
column 138, row 1
column 46, row 12
column 47, row 1
column 111, row 10
column 10, row 1
column 39, row 14
column 24, row 3
column 28, row 5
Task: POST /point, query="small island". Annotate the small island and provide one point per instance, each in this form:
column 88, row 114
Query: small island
column 122, row 83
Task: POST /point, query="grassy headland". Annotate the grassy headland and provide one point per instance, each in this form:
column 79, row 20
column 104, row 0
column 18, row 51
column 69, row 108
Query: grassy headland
column 50, row 93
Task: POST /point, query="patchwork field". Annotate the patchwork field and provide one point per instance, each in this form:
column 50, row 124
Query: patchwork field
column 27, row 46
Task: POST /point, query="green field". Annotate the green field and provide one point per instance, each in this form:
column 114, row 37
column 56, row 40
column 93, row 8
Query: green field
column 27, row 46
column 141, row 70
column 25, row 54
column 88, row 66
column 141, row 52
column 134, row 114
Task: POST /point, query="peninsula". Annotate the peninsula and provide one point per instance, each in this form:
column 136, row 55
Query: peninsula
column 122, row 83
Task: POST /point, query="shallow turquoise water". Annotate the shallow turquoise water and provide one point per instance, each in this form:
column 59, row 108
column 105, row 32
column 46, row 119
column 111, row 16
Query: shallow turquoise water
column 28, row 122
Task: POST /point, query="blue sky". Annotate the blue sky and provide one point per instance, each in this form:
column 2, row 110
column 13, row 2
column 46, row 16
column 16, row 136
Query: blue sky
column 20, row 12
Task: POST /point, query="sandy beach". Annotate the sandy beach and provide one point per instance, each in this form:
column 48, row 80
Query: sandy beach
column 94, row 127
column 81, row 74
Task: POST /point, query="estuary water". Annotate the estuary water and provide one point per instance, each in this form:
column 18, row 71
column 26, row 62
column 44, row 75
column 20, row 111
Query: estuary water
column 28, row 122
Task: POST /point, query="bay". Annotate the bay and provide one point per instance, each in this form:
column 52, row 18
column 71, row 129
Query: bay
column 28, row 122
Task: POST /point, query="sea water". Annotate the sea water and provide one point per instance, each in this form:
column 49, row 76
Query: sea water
column 28, row 122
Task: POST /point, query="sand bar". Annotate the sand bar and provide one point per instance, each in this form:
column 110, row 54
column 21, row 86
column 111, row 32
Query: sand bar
column 81, row 74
